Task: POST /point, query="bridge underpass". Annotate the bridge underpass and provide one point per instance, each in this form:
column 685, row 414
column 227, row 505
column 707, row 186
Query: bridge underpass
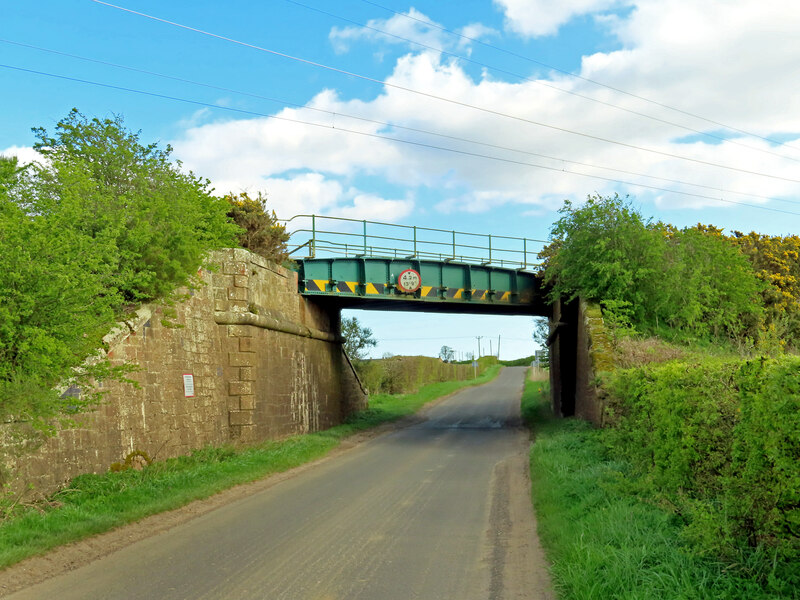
column 370, row 265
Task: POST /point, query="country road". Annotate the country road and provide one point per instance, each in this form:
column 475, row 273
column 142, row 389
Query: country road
column 437, row 510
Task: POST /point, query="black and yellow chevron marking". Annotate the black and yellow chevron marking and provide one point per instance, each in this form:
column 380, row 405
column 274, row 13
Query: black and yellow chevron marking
column 426, row 291
column 316, row 285
column 375, row 288
column 429, row 291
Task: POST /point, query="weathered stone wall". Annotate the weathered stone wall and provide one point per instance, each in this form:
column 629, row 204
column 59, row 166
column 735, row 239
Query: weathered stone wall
column 594, row 356
column 265, row 362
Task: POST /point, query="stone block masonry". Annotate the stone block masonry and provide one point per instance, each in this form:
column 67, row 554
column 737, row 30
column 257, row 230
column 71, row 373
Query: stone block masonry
column 245, row 359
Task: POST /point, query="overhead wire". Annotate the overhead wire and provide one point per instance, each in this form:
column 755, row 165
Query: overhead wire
column 541, row 83
column 393, row 125
column 393, row 139
column 580, row 77
column 441, row 98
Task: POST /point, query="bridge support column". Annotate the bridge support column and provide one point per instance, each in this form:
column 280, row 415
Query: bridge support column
column 563, row 346
column 580, row 348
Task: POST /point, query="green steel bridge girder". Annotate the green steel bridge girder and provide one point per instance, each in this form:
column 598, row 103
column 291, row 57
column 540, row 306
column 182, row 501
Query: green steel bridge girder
column 371, row 283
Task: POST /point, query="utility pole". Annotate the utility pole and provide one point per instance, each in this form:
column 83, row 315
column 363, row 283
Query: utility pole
column 498, row 346
column 491, row 352
column 478, row 337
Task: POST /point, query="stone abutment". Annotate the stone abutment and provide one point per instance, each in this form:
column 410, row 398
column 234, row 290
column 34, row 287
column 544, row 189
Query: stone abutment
column 244, row 358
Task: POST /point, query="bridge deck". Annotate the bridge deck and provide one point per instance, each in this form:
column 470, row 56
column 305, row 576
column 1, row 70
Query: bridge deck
column 429, row 285
column 384, row 266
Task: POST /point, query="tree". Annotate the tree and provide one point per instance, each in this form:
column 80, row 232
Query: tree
column 102, row 223
column 719, row 294
column 55, row 306
column 447, row 354
column 356, row 338
column 261, row 231
column 154, row 221
column 10, row 172
column 541, row 331
column 604, row 250
column 692, row 280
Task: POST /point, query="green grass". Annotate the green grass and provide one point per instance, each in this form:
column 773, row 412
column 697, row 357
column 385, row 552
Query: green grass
column 96, row 503
column 605, row 539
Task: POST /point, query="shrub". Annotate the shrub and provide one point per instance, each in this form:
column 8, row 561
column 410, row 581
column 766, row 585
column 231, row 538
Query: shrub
column 260, row 230
column 719, row 442
column 765, row 482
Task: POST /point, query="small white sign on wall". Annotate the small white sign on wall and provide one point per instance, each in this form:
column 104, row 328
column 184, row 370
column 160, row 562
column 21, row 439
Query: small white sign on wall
column 188, row 385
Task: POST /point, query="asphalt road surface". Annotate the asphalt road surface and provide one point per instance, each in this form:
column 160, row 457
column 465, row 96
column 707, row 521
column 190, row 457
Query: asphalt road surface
column 437, row 510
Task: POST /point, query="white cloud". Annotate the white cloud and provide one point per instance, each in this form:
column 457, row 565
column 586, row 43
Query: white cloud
column 309, row 193
column 730, row 60
column 374, row 208
column 544, row 17
column 411, row 25
column 399, row 26
column 24, row 154
column 198, row 117
column 474, row 31
column 313, row 193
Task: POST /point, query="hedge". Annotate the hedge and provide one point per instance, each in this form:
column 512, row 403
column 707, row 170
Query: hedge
column 719, row 441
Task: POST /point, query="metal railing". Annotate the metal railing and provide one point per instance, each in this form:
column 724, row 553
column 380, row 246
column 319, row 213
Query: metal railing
column 341, row 237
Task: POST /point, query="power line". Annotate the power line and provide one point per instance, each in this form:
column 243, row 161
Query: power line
column 394, row 125
column 393, row 139
column 441, row 98
column 587, row 79
column 539, row 82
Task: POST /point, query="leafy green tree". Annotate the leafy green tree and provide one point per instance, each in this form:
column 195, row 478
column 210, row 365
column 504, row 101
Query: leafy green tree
column 604, row 250
column 718, row 293
column 261, row 232
column 101, row 223
column 10, row 172
column 99, row 180
column 356, row 338
column 55, row 307
column 697, row 284
column 541, row 331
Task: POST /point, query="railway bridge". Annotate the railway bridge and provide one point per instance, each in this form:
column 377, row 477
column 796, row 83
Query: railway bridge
column 370, row 265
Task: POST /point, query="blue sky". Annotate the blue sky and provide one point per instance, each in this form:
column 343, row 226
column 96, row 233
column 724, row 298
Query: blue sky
column 683, row 84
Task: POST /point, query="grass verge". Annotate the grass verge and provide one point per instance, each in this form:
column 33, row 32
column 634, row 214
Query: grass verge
column 94, row 504
column 603, row 539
